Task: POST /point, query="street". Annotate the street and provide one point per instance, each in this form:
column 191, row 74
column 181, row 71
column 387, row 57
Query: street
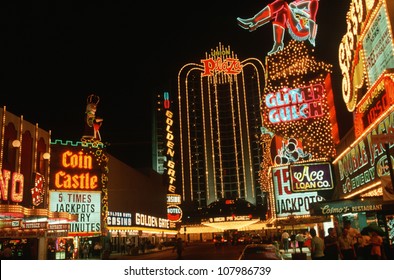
column 193, row 251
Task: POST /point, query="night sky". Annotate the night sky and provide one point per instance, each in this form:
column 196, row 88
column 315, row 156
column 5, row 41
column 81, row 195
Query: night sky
column 55, row 53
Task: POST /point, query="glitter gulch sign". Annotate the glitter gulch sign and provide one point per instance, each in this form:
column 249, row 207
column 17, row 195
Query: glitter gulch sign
column 295, row 104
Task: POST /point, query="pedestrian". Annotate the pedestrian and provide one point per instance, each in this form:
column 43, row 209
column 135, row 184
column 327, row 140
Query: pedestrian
column 285, row 241
column 353, row 234
column 317, row 246
column 300, row 237
column 178, row 247
column 376, row 242
column 331, row 246
column 364, row 246
column 85, row 251
column 346, row 247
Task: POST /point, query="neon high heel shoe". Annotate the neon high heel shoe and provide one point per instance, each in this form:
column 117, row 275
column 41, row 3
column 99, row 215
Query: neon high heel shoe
column 276, row 48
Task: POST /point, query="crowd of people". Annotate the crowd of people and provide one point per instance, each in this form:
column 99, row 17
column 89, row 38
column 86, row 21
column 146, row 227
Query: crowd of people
column 346, row 243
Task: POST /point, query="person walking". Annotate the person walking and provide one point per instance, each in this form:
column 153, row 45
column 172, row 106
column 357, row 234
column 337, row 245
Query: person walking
column 179, row 248
column 317, row 246
column 331, row 246
column 376, row 242
column 346, row 247
column 300, row 238
column 285, row 241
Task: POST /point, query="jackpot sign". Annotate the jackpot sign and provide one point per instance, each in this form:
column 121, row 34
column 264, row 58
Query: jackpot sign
column 288, row 202
column 86, row 204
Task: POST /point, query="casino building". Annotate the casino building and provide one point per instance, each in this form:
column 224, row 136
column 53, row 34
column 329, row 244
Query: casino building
column 26, row 222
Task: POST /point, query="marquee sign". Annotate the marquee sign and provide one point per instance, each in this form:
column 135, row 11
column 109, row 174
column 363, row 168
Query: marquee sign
column 286, row 201
column 86, row 204
column 378, row 45
column 367, row 47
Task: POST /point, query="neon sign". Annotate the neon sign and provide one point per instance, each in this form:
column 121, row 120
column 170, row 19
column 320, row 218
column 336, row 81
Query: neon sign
column 170, row 151
column 151, row 221
column 166, row 100
column 174, row 213
column 227, row 66
column 295, row 104
column 366, row 161
column 16, row 191
column 80, row 181
column 350, row 59
column 309, row 177
column 299, row 17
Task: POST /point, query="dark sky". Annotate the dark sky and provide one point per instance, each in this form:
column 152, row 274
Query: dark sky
column 55, row 53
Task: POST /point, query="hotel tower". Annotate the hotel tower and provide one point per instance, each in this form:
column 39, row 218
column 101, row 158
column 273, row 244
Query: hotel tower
column 219, row 150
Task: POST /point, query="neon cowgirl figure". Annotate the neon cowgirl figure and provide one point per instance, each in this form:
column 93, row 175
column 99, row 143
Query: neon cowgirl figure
column 299, row 17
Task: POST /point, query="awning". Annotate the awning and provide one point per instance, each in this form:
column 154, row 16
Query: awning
column 17, row 211
column 238, row 225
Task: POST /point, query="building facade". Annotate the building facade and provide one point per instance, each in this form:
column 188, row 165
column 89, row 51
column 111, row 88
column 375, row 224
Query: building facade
column 26, row 222
column 219, row 126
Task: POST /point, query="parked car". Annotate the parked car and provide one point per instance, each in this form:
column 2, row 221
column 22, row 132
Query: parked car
column 260, row 252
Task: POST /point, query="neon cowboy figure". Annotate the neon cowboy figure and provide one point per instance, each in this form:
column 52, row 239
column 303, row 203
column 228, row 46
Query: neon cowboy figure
column 299, row 17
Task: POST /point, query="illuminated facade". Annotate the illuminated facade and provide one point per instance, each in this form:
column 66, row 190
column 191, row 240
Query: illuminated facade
column 364, row 192
column 299, row 135
column 366, row 57
column 159, row 131
column 219, row 126
column 164, row 151
column 78, row 185
column 26, row 222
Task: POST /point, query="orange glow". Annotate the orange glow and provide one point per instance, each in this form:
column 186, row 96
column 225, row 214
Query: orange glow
column 82, row 181
column 230, row 66
column 69, row 159
column 17, row 185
